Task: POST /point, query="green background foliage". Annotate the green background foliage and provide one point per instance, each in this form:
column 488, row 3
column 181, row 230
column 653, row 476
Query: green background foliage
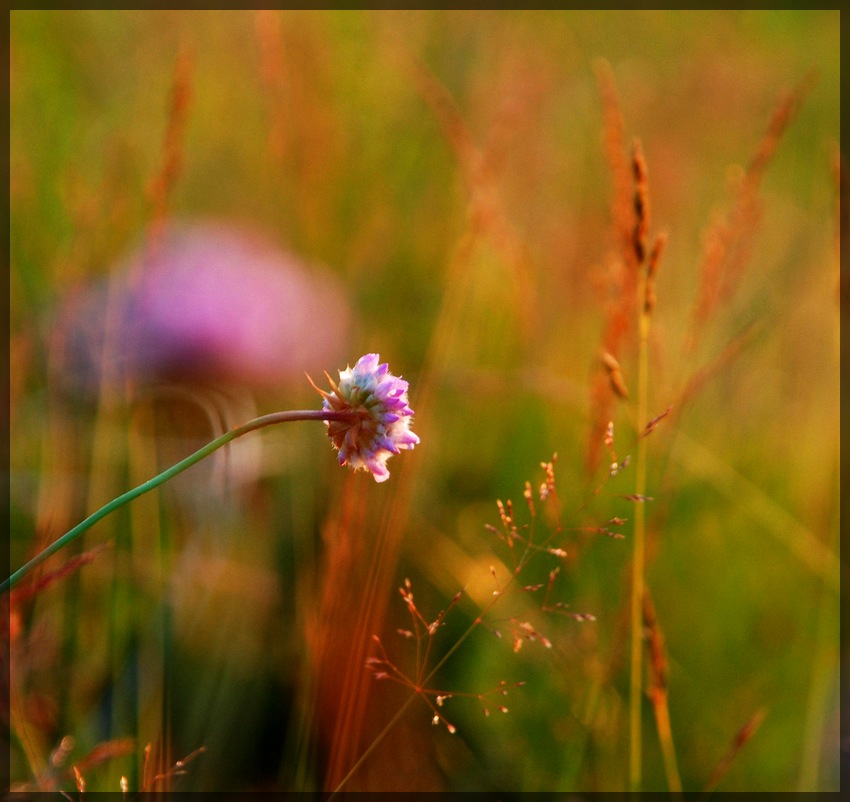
column 342, row 157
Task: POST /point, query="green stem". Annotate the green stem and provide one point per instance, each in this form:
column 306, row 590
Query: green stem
column 205, row 451
column 636, row 683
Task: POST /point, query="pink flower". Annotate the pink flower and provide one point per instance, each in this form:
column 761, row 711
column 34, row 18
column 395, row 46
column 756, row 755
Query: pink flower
column 209, row 302
column 381, row 427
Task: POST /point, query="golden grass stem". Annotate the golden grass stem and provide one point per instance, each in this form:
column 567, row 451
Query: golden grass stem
column 638, row 558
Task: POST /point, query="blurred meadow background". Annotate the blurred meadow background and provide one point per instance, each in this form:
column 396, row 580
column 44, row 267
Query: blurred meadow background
column 204, row 205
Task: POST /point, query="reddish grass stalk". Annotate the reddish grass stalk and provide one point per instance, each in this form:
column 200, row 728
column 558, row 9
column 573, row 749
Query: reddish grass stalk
column 353, row 607
column 630, row 219
column 168, row 773
column 741, row 737
column 335, row 631
column 658, row 693
column 273, row 73
column 172, row 157
column 729, row 240
column 630, row 312
column 486, row 207
column 44, row 581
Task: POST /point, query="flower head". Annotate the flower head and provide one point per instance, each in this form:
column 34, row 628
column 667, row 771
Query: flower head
column 380, row 423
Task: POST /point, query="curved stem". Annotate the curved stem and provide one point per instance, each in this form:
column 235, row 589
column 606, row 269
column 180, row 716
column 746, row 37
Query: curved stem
column 156, row 481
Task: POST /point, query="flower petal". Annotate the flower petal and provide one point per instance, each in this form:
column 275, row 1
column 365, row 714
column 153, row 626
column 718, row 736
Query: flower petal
column 381, row 427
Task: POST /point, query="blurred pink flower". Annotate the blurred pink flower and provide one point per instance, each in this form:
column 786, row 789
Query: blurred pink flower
column 210, row 302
